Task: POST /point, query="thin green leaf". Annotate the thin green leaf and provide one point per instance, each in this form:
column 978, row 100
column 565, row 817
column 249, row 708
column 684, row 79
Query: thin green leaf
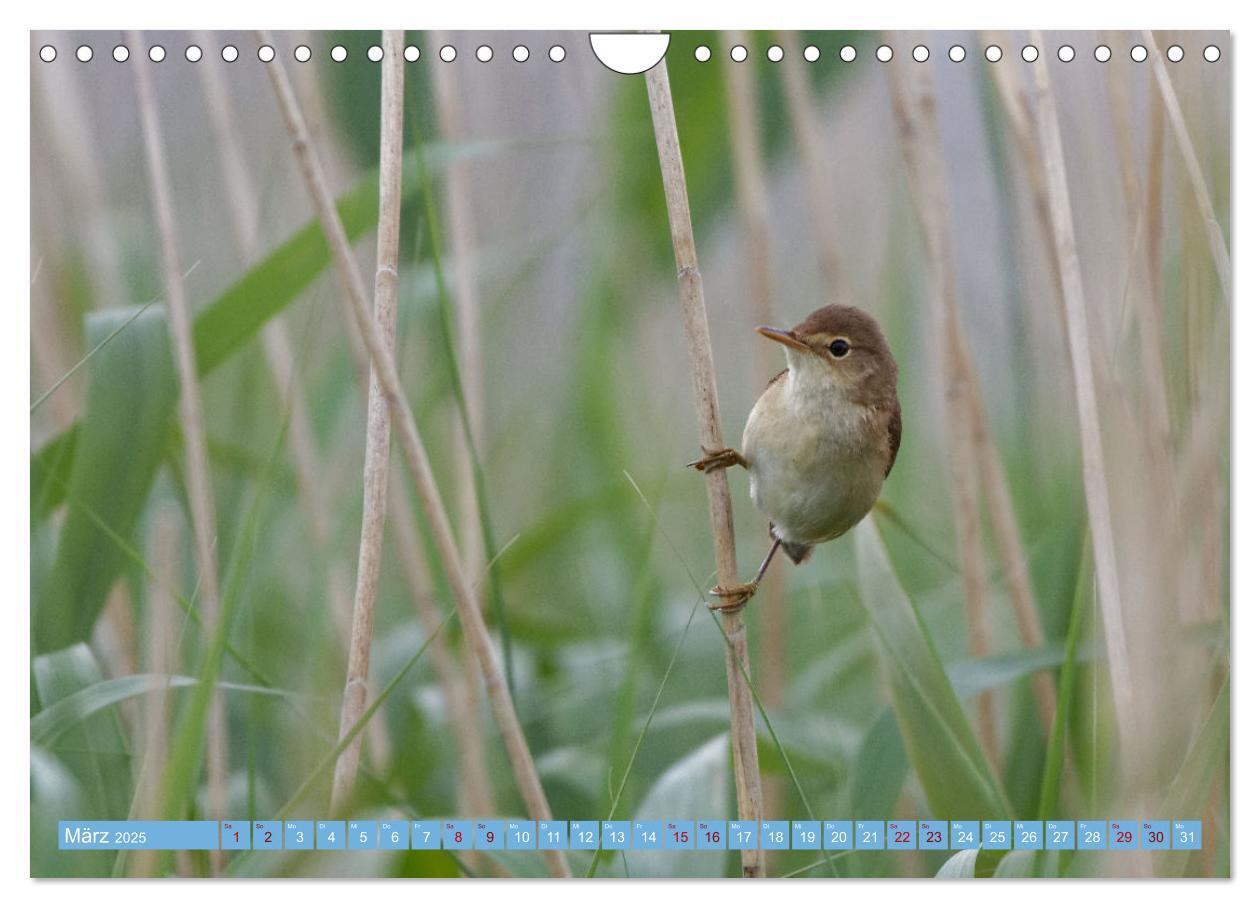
column 224, row 326
column 951, row 767
column 1056, row 747
column 880, row 770
column 50, row 724
column 97, row 750
column 118, row 447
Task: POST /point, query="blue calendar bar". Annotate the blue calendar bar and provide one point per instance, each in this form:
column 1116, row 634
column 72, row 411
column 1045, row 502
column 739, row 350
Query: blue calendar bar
column 138, row 835
column 630, row 835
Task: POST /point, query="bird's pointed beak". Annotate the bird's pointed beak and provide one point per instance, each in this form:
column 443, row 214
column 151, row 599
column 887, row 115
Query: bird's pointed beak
column 787, row 338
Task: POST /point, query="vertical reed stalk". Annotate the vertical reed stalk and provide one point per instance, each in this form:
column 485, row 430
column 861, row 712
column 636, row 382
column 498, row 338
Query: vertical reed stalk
column 415, row 456
column 1093, row 465
column 1144, row 214
column 477, row 795
column 750, row 192
column 704, row 386
column 242, row 209
column 196, row 460
column 1119, row 98
column 457, row 203
column 376, row 455
column 820, row 193
column 915, row 112
column 1177, row 120
column 457, row 677
column 1153, row 235
column 159, row 638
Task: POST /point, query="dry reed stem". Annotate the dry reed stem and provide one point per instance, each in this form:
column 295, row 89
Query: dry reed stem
column 415, row 456
column 820, row 193
column 704, row 386
column 754, row 206
column 1002, row 508
column 1141, row 210
column 196, row 460
column 1019, row 118
column 1153, row 234
column 1119, row 98
column 160, row 643
column 376, row 454
column 242, row 207
column 278, row 352
column 457, row 204
column 1093, row 465
column 915, row 113
column 1216, row 239
column 457, row 676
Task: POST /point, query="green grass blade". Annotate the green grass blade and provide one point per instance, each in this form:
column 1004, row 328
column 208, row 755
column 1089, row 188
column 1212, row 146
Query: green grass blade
column 179, row 776
column 947, row 759
column 225, row 325
column 118, row 447
column 49, row 725
column 97, row 751
column 1056, row 747
column 880, row 770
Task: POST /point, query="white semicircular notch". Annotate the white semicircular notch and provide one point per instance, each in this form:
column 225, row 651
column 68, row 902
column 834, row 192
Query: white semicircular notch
column 629, row 53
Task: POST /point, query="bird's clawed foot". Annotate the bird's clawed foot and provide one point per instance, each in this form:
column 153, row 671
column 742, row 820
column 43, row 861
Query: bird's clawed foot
column 732, row 598
column 719, row 459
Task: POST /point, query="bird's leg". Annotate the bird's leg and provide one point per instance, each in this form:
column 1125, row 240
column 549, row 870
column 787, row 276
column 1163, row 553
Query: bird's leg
column 719, row 459
column 733, row 598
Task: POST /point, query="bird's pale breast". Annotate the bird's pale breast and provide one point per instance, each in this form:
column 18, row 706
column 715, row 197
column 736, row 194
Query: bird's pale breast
column 814, row 471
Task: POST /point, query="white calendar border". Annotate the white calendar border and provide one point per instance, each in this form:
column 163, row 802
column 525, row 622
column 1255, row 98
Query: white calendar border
column 909, row 14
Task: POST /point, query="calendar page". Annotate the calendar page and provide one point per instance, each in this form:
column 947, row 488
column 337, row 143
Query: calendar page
column 668, row 454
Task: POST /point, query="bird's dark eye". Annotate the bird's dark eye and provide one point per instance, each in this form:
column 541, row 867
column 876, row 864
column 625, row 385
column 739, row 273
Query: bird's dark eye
column 839, row 347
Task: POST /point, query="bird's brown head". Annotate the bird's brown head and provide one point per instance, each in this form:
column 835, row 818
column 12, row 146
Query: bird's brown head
column 840, row 348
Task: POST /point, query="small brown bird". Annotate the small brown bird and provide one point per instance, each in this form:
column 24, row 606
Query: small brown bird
column 822, row 437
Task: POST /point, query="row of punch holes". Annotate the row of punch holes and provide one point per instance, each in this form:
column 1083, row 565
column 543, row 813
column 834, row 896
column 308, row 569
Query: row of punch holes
column 556, row 53
column 303, row 53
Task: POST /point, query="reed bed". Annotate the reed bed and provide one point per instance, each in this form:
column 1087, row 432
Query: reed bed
column 1033, row 623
